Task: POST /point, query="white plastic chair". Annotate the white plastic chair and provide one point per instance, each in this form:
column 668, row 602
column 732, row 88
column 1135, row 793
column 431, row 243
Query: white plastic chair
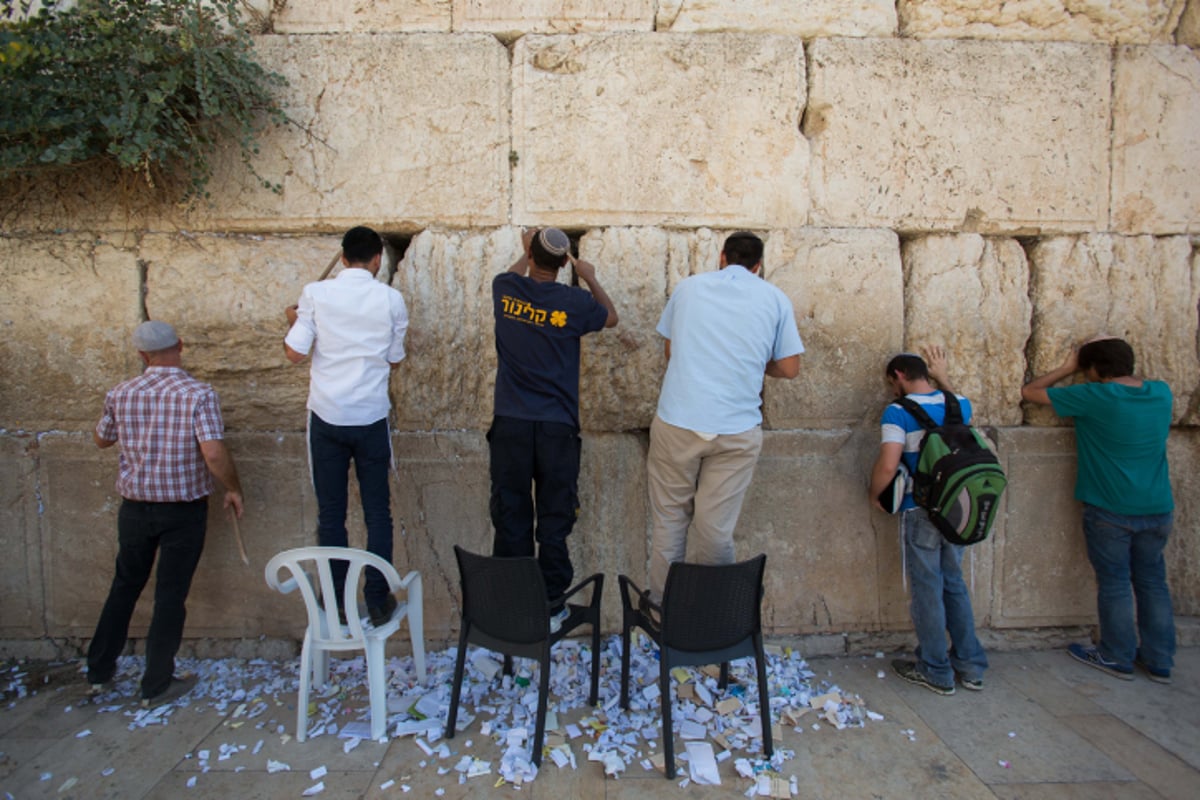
column 326, row 634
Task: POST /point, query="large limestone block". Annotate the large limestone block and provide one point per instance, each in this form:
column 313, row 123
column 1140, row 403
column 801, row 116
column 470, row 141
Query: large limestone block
column 809, row 19
column 959, row 135
column 69, row 306
column 1188, row 32
column 1042, row 20
column 1156, row 141
column 394, row 131
column 373, row 16
column 621, row 368
column 553, row 16
column 1042, row 575
column 680, row 130
column 846, row 289
column 971, row 295
column 806, row 508
column 1144, row 289
column 447, row 379
column 1183, row 548
column 226, row 296
column 21, row 613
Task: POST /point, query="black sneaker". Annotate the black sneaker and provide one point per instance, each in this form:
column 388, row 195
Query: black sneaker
column 380, row 615
column 176, row 689
column 909, row 671
column 1153, row 673
column 1091, row 656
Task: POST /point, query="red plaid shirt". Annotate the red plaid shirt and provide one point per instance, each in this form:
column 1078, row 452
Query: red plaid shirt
column 159, row 418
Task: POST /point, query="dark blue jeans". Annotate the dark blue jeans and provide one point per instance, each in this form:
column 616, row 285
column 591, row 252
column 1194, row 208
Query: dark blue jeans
column 535, row 462
column 1126, row 553
column 175, row 533
column 331, row 449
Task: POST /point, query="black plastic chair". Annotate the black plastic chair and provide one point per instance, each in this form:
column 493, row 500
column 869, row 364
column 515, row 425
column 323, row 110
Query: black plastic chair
column 504, row 609
column 710, row 614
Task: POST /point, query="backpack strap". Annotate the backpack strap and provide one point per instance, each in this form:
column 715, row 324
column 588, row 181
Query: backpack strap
column 919, row 414
column 953, row 411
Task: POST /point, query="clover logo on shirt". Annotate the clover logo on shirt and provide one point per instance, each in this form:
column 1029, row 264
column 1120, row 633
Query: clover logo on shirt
column 558, row 318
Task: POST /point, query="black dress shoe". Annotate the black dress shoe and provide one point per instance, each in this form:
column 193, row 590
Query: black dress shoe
column 381, row 614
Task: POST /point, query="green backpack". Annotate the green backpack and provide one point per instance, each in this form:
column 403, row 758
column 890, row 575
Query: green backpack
column 958, row 479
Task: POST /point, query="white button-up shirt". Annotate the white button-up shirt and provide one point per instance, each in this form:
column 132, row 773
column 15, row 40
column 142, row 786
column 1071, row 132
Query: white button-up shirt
column 354, row 326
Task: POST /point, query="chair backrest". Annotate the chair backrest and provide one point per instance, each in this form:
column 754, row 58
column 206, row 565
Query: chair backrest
column 710, row 607
column 303, row 562
column 504, row 598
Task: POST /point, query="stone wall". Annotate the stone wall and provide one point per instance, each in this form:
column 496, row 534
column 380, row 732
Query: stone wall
column 1005, row 179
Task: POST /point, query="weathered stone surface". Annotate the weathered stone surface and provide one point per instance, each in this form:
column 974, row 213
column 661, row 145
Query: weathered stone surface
column 621, row 370
column 1156, row 141
column 1183, row 549
column 806, row 18
column 1042, row 575
column 21, row 613
column 971, row 295
column 591, row 147
column 226, row 296
column 846, row 289
column 1136, row 21
column 1188, row 32
column 553, row 16
column 336, row 16
column 447, row 380
column 1144, row 289
column 393, row 131
column 957, row 135
column 69, row 306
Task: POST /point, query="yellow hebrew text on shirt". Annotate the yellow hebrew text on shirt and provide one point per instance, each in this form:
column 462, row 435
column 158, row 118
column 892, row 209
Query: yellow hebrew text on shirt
column 524, row 311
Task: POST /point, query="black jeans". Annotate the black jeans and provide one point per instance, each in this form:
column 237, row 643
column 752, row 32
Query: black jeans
column 331, row 448
column 175, row 533
column 544, row 456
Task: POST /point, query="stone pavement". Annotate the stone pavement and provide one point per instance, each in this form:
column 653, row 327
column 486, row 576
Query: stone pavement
column 1044, row 727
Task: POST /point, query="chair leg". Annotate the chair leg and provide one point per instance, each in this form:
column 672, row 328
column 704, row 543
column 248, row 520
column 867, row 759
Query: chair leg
column 377, row 683
column 723, row 681
column 543, row 695
column 416, row 629
column 664, row 680
column 456, row 687
column 624, row 666
column 764, row 699
column 306, row 669
column 508, row 665
column 594, row 697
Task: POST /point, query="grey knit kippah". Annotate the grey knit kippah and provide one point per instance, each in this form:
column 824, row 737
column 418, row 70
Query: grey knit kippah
column 554, row 241
column 154, row 335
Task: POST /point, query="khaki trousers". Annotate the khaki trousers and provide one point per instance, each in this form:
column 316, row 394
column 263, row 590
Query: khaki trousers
column 696, row 484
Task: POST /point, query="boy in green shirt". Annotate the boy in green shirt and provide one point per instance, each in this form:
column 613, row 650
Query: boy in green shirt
column 1121, row 427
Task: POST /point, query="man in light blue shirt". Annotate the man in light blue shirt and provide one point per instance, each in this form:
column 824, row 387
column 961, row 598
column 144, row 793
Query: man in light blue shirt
column 724, row 332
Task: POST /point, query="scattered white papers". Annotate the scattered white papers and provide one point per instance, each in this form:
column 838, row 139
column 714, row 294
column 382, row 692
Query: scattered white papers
column 276, row 766
column 318, row 773
column 315, row 789
column 702, row 764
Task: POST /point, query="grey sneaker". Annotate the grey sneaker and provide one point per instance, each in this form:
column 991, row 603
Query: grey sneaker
column 177, row 688
column 558, row 618
column 909, row 671
column 1091, row 656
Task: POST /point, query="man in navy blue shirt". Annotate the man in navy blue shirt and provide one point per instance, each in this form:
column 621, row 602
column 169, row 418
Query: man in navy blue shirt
column 534, row 439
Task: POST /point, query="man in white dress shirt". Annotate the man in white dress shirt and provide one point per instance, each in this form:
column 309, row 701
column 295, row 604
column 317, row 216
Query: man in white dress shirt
column 353, row 326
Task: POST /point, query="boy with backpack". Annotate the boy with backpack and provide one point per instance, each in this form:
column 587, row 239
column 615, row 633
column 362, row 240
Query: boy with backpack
column 939, row 601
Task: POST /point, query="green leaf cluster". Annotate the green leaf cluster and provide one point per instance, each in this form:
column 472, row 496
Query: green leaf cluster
column 152, row 86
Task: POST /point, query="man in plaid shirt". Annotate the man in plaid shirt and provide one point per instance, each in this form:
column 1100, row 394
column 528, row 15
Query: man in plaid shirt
column 169, row 427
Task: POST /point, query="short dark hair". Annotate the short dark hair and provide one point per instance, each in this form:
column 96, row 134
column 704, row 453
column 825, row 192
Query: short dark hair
column 1111, row 358
column 361, row 244
column 911, row 366
column 743, row 248
column 543, row 257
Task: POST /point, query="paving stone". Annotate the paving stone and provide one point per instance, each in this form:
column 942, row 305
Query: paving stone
column 1161, row 771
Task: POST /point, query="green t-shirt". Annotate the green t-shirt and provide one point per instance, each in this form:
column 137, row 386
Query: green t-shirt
column 1121, row 440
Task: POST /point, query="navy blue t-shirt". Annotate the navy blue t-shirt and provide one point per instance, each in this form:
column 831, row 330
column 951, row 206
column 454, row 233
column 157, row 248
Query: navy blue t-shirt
column 538, row 327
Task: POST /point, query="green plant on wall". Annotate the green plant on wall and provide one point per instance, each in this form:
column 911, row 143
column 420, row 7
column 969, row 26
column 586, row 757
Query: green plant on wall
column 153, row 87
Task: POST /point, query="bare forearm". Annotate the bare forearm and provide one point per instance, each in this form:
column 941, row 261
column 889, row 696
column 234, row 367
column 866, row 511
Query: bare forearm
column 220, row 464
